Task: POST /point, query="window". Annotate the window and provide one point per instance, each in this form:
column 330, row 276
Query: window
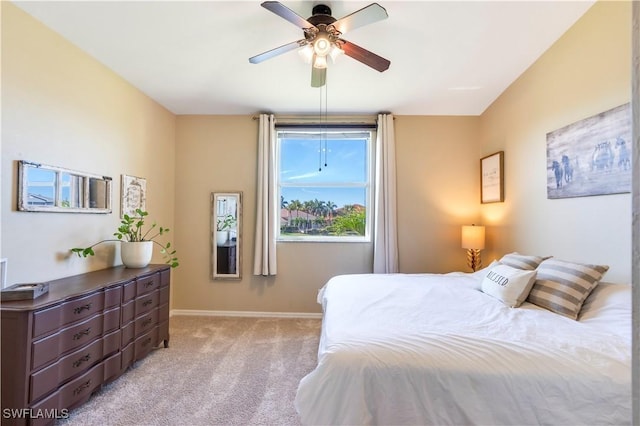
column 324, row 183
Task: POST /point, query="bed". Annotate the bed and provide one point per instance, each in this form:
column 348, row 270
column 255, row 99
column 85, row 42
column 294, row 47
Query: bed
column 437, row 349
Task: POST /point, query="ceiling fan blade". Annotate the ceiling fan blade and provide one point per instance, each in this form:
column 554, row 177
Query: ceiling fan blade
column 367, row 15
column 318, row 77
column 277, row 51
column 286, row 13
column 363, row 55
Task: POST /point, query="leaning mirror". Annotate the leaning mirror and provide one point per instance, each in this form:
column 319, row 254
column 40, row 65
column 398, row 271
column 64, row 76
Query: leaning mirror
column 226, row 236
column 43, row 188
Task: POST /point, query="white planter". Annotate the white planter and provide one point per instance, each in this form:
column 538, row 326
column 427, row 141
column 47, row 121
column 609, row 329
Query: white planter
column 136, row 254
column 221, row 237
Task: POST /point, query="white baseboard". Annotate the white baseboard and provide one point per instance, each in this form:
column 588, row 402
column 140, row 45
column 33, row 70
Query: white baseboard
column 252, row 314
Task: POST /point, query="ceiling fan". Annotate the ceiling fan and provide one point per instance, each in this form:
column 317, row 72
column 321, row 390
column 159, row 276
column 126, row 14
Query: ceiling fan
column 322, row 37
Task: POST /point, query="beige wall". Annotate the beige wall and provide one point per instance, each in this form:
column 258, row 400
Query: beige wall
column 586, row 72
column 61, row 107
column 219, row 153
column 437, row 170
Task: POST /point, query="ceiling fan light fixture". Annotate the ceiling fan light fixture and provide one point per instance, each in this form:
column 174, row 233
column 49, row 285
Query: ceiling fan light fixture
column 335, row 52
column 306, row 53
column 319, row 62
column 322, row 38
column 322, row 45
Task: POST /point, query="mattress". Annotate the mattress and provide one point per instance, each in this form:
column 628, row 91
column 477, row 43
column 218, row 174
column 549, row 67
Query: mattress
column 434, row 349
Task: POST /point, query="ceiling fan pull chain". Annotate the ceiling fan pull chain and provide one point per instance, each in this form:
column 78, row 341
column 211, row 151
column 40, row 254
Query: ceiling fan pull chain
column 326, row 103
column 320, row 138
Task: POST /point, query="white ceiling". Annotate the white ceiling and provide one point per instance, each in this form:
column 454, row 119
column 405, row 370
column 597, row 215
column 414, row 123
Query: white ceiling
column 447, row 57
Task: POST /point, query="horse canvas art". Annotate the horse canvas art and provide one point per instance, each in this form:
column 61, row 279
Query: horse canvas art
column 591, row 156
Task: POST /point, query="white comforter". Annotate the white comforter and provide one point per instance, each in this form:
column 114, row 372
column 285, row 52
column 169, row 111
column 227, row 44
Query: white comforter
column 433, row 349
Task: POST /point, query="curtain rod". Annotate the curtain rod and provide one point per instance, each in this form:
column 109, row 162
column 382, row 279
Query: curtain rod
column 316, row 118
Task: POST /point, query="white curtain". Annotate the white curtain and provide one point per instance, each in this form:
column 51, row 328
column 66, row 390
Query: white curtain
column 385, row 243
column 264, row 262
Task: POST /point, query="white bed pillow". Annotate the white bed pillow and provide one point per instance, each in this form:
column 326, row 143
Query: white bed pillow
column 562, row 286
column 522, row 261
column 507, row 284
column 609, row 307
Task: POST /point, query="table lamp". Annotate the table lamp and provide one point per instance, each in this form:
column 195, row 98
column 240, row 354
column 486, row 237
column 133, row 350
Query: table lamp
column 473, row 241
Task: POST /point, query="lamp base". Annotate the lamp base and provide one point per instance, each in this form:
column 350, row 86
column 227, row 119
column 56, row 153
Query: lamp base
column 473, row 259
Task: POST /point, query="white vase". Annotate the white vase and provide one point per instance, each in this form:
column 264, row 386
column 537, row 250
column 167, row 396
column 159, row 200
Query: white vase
column 221, row 237
column 136, row 254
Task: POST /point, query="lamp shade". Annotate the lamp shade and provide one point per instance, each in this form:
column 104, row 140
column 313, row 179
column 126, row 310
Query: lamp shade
column 319, row 62
column 322, row 45
column 473, row 237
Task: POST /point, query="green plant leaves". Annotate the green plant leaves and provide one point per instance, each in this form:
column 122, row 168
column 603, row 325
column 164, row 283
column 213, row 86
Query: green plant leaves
column 131, row 230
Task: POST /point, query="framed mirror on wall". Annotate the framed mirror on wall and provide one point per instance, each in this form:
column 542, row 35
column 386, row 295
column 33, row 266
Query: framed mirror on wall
column 226, row 235
column 44, row 188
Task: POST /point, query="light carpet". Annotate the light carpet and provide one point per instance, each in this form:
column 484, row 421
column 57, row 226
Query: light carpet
column 216, row 371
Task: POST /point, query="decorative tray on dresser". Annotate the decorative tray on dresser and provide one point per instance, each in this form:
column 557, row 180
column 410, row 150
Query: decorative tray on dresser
column 58, row 349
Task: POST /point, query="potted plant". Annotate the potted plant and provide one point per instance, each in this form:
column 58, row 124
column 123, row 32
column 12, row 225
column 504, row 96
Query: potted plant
column 137, row 244
column 223, row 225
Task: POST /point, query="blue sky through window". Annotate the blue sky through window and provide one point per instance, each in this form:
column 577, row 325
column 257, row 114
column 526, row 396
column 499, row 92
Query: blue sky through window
column 304, row 176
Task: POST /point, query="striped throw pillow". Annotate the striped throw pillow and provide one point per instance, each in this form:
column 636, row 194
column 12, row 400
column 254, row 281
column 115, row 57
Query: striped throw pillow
column 522, row 261
column 562, row 286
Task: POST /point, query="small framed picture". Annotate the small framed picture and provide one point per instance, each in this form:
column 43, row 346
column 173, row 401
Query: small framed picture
column 492, row 178
column 133, row 194
column 3, row 273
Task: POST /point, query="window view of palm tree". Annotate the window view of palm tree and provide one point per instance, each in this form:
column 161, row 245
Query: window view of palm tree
column 324, row 183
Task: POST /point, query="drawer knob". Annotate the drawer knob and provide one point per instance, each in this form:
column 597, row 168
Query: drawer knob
column 148, row 284
column 147, row 302
column 79, row 309
column 147, row 322
column 81, row 361
column 146, row 341
column 84, row 332
column 79, row 389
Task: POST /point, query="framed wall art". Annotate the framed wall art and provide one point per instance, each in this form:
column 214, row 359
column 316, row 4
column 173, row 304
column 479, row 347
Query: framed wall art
column 134, row 195
column 591, row 156
column 492, row 178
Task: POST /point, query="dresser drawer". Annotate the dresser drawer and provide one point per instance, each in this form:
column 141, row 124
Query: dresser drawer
column 165, row 278
column 48, row 378
column 163, row 312
column 164, row 295
column 146, row 322
column 111, row 343
column 145, row 343
column 146, row 303
column 74, row 392
column 112, row 367
column 50, row 319
column 111, row 320
column 49, row 348
column 127, row 356
column 112, row 296
column 127, row 334
column 128, row 311
column 147, row 284
column 68, row 366
column 128, row 291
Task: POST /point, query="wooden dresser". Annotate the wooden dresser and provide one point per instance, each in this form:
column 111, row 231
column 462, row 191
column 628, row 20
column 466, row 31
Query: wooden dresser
column 61, row 347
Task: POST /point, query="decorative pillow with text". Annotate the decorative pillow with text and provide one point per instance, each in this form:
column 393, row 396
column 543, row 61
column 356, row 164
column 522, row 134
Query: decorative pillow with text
column 508, row 284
